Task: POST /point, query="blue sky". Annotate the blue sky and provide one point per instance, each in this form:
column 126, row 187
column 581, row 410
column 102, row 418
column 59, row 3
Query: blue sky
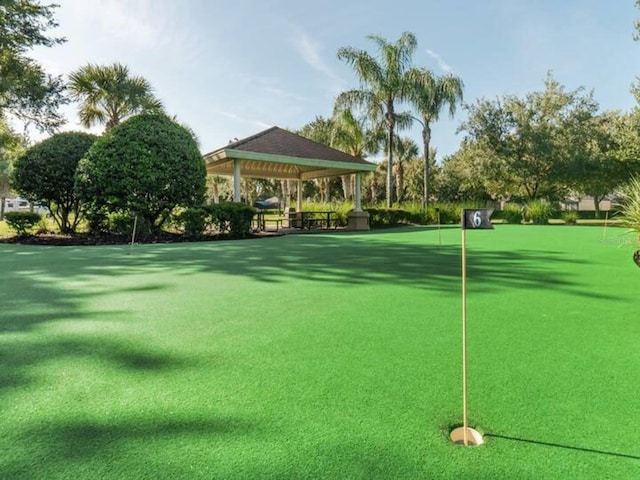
column 232, row 68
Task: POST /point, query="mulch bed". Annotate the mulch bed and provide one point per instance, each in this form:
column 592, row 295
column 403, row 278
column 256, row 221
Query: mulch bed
column 53, row 239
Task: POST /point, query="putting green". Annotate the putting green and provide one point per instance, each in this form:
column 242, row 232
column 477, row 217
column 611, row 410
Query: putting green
column 321, row 356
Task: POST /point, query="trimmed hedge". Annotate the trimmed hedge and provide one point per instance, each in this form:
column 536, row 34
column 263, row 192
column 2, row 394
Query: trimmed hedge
column 22, row 222
column 233, row 219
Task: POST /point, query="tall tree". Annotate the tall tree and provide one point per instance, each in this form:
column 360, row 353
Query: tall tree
column 430, row 94
column 524, row 138
column 110, row 94
column 384, row 84
column 27, row 92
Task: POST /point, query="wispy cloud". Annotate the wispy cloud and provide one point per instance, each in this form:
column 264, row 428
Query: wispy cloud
column 311, row 53
column 444, row 66
column 242, row 119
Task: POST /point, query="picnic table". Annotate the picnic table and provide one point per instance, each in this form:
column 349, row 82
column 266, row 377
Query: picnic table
column 309, row 220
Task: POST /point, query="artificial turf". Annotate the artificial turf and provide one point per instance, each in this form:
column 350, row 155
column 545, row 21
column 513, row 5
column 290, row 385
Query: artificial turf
column 322, row 356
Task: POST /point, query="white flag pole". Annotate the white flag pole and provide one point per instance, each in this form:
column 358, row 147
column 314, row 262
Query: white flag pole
column 464, row 338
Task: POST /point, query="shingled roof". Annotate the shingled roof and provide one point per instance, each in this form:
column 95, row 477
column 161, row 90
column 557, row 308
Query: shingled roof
column 278, row 153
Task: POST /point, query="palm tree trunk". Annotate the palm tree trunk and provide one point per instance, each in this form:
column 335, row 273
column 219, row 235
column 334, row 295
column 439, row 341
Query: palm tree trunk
column 426, row 138
column 390, row 157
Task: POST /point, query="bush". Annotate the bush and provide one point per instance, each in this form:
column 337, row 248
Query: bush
column 539, row 212
column 45, row 173
column 148, row 164
column 570, row 217
column 22, row 222
column 631, row 208
column 193, row 221
column 512, row 214
column 232, row 218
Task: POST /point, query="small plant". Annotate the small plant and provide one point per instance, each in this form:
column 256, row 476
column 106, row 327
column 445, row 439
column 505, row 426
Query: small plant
column 570, row 217
column 512, row 214
column 631, row 213
column 22, row 222
column 539, row 212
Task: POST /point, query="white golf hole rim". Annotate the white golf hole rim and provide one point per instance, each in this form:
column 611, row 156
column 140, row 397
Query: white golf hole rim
column 474, row 437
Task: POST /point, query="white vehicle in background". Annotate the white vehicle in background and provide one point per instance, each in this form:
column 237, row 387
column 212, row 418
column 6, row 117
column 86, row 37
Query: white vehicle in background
column 18, row 204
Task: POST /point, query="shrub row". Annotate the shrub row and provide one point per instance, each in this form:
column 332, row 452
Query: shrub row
column 233, row 219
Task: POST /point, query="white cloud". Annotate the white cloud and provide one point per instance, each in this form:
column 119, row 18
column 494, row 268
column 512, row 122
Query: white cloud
column 310, row 52
column 444, row 66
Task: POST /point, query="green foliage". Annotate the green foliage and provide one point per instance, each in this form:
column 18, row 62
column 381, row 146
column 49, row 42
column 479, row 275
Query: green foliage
column 538, row 212
column 26, row 91
column 342, row 209
column 631, row 207
column 388, row 217
column 384, row 81
column 109, row 94
column 529, row 143
column 193, row 221
column 148, row 165
column 22, row 222
column 45, row 174
column 512, row 214
column 570, row 217
column 232, row 218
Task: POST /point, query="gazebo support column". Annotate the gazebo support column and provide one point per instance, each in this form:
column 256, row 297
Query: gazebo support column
column 357, row 219
column 236, row 181
column 299, row 191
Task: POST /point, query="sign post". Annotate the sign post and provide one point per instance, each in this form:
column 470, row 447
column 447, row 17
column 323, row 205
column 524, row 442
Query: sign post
column 473, row 219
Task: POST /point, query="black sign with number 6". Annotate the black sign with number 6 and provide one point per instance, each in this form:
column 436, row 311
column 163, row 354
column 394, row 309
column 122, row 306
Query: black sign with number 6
column 477, row 219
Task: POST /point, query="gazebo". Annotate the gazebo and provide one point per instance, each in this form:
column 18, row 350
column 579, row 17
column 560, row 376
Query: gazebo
column 278, row 153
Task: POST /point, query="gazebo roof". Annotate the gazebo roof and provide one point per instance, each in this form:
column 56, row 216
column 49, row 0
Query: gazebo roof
column 278, row 153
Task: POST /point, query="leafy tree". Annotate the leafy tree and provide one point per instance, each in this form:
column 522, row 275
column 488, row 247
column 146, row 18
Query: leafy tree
column 45, row 174
column 110, row 94
column 26, row 90
column 11, row 145
column 464, row 177
column 524, row 138
column 430, row 94
column 598, row 164
column 384, row 84
column 148, row 165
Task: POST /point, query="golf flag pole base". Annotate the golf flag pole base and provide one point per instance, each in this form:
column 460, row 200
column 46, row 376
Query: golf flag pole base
column 473, row 437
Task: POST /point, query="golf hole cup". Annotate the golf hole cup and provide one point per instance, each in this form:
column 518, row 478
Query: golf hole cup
column 474, row 437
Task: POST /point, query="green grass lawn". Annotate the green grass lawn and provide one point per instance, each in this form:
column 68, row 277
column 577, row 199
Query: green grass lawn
column 322, row 356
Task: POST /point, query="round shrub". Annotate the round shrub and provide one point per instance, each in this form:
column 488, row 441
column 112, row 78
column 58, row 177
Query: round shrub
column 22, row 222
column 146, row 166
column 45, row 174
column 512, row 214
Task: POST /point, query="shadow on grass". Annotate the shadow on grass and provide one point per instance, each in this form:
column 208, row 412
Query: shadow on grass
column 557, row 445
column 63, row 445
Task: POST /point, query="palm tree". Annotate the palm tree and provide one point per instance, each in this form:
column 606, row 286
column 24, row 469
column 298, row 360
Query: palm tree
column 429, row 94
column 351, row 135
column 405, row 149
column 384, row 83
column 109, row 94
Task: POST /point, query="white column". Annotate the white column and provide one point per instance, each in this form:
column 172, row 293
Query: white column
column 299, row 205
column 358, row 196
column 236, row 181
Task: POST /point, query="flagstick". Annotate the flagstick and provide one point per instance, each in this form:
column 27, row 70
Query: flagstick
column 133, row 234
column 604, row 231
column 464, row 337
column 439, row 231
